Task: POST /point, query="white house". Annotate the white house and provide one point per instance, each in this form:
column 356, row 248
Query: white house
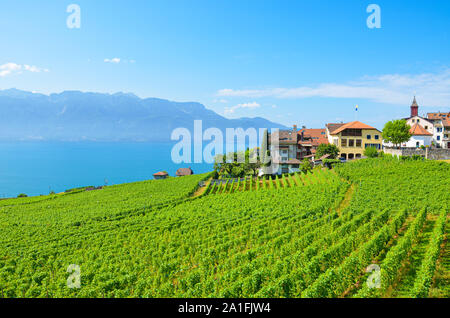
column 433, row 130
column 441, row 134
column 419, row 137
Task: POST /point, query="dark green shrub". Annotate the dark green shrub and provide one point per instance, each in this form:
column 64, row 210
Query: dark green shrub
column 371, row 152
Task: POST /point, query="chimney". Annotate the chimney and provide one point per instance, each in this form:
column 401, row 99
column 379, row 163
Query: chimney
column 414, row 108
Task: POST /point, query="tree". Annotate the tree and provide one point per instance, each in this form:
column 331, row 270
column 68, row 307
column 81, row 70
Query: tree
column 329, row 149
column 330, row 163
column 396, row 132
column 238, row 164
column 371, row 152
column 252, row 162
column 22, row 195
column 306, row 166
column 264, row 150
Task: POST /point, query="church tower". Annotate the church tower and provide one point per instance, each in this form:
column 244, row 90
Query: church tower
column 414, row 108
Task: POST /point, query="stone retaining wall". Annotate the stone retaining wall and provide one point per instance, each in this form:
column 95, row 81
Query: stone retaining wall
column 429, row 153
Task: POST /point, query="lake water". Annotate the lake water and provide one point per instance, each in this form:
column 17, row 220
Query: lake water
column 37, row 168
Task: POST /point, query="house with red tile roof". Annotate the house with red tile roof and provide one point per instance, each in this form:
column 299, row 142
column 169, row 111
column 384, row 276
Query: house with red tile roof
column 294, row 146
column 419, row 137
column 160, row 175
column 309, row 140
column 437, row 124
column 353, row 138
column 441, row 133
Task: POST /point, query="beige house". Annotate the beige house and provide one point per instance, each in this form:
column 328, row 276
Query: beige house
column 353, row 138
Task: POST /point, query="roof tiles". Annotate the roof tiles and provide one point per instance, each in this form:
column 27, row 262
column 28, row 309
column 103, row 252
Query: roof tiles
column 417, row 130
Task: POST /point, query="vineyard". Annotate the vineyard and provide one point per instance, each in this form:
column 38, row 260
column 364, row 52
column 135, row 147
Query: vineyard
column 311, row 235
column 224, row 186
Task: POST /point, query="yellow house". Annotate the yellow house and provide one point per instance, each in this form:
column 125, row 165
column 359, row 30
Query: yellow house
column 353, row 138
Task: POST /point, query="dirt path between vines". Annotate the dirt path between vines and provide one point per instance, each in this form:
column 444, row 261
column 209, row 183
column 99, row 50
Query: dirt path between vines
column 347, row 198
column 201, row 190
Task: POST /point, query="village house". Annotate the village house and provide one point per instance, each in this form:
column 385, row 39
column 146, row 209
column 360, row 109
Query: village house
column 353, row 138
column 310, row 139
column 420, row 137
column 160, row 175
column 285, row 156
column 184, row 172
column 432, row 130
column 294, row 146
column 441, row 134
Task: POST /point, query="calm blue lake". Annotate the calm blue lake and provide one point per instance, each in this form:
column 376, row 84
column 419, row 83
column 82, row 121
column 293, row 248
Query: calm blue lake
column 37, row 168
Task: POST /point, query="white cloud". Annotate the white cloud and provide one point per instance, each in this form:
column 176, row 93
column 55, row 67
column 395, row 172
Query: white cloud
column 432, row 89
column 14, row 68
column 231, row 110
column 113, row 60
column 34, row 69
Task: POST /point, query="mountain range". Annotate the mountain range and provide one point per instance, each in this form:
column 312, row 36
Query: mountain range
column 85, row 116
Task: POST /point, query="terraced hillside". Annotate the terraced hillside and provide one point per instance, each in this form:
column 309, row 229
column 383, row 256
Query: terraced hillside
column 299, row 236
column 225, row 186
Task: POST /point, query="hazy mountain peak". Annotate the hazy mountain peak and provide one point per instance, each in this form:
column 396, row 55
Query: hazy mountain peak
column 17, row 93
column 77, row 116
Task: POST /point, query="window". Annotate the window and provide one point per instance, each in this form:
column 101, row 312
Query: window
column 351, row 142
column 358, row 143
column 344, row 142
column 378, row 146
column 418, row 121
column 352, row 132
column 426, row 127
column 369, row 137
column 438, row 137
column 377, row 137
column 417, row 144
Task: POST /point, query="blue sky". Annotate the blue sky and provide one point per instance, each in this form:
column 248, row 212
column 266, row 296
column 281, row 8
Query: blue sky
column 293, row 62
